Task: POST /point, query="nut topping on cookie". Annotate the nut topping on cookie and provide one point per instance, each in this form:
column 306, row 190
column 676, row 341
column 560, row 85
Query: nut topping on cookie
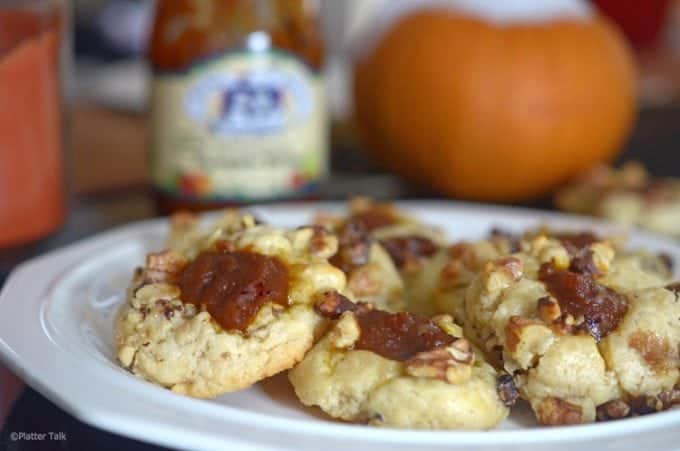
column 331, row 304
column 556, row 411
column 354, row 248
column 451, row 364
column 407, row 251
column 574, row 243
column 373, row 215
column 163, row 266
column 613, row 410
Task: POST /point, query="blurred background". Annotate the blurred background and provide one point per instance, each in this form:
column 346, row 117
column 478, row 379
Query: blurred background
column 110, row 99
column 502, row 102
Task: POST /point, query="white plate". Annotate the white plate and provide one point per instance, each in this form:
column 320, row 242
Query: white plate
column 56, row 326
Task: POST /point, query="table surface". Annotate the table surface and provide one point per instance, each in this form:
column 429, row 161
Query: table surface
column 108, row 182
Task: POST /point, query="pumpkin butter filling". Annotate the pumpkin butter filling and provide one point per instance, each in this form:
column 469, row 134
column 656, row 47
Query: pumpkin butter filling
column 233, row 286
column 395, row 336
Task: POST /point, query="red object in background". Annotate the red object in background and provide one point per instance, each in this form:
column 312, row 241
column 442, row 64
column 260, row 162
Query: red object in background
column 641, row 21
column 32, row 198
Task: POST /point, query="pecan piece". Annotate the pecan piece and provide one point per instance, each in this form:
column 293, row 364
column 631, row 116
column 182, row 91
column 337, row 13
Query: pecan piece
column 670, row 398
column 408, row 251
column 674, row 287
column 555, row 411
column 462, row 251
column 613, row 410
column 320, row 237
column 354, row 248
column 512, row 265
column 513, row 239
column 513, row 331
column 584, row 263
column 373, row 215
column 163, row 266
column 331, row 304
column 451, row 364
column 643, row 405
column 549, row 309
column 576, row 243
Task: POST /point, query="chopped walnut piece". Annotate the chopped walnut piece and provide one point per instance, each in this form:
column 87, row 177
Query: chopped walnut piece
column 331, row 304
column 320, row 237
column 354, row 247
column 450, row 273
column 576, row 243
column 373, row 215
column 163, row 266
column 513, row 331
column 584, row 263
column 463, row 251
column 461, row 350
column 549, row 309
column 512, row 265
column 169, row 310
column 555, row 411
column 408, row 252
column 451, row 364
column 674, row 287
column 613, row 410
column 643, row 405
column 550, row 312
column 670, row 398
column 507, row 390
column 512, row 238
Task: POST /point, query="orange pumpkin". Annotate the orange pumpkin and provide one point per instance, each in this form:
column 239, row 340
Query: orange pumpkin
column 495, row 111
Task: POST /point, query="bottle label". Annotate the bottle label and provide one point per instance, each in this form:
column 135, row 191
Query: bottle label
column 237, row 127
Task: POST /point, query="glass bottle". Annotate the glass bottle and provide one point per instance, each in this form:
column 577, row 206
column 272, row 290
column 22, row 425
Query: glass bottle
column 238, row 107
column 32, row 193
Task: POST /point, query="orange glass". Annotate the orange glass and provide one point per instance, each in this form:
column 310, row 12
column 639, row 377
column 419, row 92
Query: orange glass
column 32, row 194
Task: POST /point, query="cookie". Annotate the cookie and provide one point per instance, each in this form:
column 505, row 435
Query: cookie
column 465, row 260
column 371, row 273
column 627, row 196
column 552, row 314
column 227, row 307
column 643, row 352
column 386, row 249
column 462, row 262
column 397, row 370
